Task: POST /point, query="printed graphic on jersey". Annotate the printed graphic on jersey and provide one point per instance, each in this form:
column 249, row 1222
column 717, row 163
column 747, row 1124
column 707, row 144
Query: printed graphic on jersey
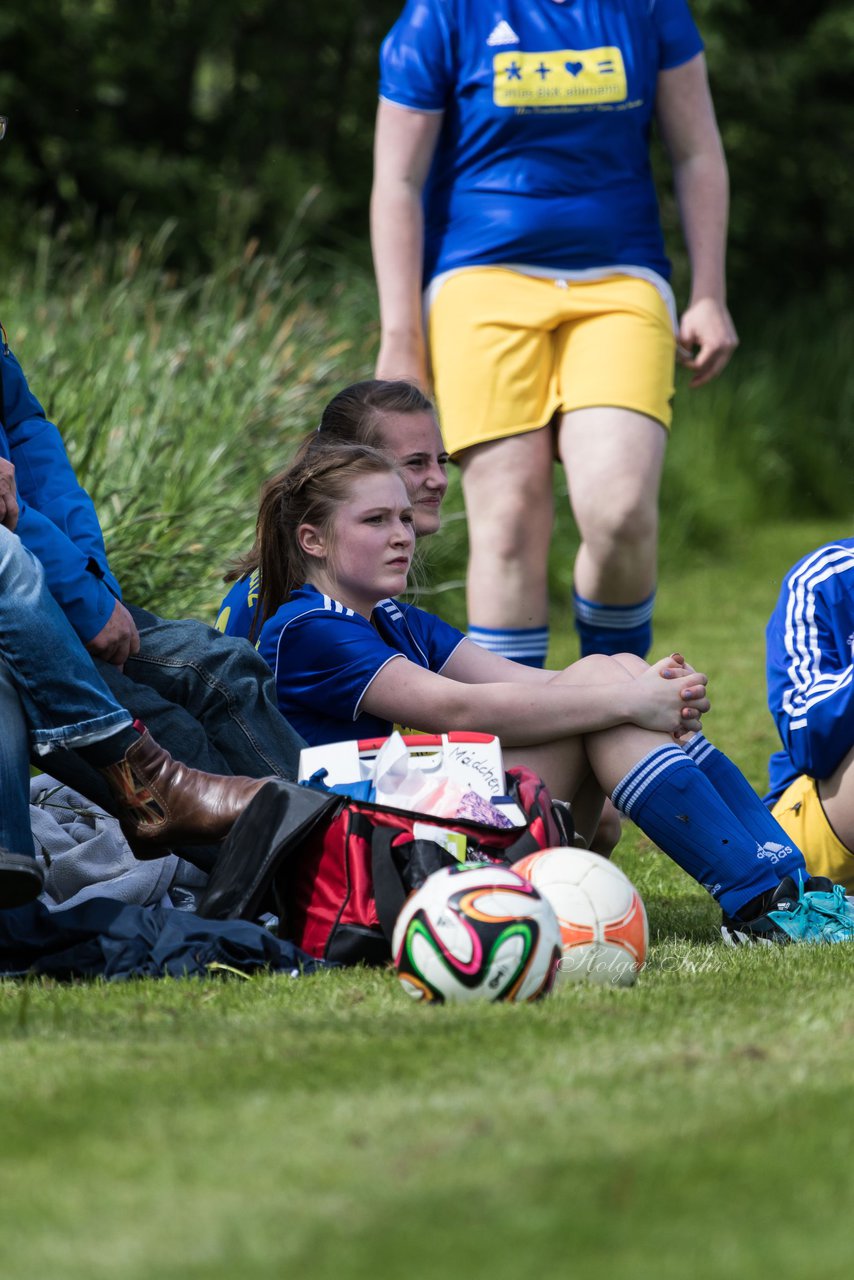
column 502, row 34
column 559, row 78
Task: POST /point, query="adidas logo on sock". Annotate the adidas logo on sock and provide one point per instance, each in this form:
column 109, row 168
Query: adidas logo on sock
column 503, row 34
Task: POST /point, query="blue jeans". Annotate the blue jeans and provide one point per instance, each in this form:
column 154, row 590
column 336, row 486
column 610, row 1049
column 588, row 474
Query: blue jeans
column 50, row 693
column 209, row 699
column 65, row 702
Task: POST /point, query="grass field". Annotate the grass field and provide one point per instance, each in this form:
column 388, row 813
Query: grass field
column 697, row 1124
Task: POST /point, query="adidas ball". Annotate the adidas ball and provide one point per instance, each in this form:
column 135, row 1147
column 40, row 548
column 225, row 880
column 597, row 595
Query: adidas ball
column 602, row 919
column 476, row 933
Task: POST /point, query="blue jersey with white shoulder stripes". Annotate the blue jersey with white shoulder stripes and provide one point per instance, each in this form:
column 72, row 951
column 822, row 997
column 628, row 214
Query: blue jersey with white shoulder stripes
column 810, row 666
column 324, row 656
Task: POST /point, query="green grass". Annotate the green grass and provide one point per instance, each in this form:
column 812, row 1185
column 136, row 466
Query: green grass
column 328, row 1127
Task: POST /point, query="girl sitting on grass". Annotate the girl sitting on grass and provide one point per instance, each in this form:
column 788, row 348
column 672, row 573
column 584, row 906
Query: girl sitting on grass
column 335, row 537
column 394, row 416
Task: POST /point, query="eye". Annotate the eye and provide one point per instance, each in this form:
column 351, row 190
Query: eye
column 407, row 517
column 443, row 459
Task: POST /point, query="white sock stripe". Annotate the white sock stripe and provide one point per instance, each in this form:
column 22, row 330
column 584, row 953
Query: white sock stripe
column 636, row 781
column 640, row 785
column 699, row 748
column 613, row 617
column 511, row 644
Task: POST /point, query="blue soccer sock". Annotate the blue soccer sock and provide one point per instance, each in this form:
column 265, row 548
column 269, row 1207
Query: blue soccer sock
column 737, row 793
column 528, row 645
column 675, row 804
column 613, row 628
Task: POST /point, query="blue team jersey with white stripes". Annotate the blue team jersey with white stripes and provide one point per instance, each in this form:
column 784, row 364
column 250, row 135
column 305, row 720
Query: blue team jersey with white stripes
column 810, row 666
column 324, row 656
column 543, row 156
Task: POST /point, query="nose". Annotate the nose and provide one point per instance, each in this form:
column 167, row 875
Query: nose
column 402, row 534
column 437, row 480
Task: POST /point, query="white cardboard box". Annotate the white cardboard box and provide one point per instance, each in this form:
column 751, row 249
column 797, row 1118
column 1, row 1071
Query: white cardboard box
column 472, row 760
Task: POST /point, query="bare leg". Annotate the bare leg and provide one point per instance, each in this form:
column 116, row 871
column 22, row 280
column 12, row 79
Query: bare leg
column 837, row 799
column 508, row 492
column 613, row 460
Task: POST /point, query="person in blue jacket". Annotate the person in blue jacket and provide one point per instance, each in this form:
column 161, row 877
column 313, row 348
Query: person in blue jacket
column 810, row 673
column 206, row 697
column 53, row 705
column 520, row 264
column 336, row 533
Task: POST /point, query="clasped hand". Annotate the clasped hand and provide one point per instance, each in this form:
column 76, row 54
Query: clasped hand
column 674, row 707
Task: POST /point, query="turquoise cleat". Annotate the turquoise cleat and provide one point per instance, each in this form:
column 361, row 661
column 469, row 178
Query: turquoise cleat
column 815, row 910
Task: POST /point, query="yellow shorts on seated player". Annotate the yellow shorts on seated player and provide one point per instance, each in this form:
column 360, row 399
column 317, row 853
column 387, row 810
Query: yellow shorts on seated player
column 510, row 350
column 800, row 813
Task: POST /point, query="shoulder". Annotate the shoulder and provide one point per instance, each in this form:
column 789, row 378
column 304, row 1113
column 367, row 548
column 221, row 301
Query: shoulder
column 828, row 566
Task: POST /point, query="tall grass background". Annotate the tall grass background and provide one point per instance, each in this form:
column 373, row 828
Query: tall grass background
column 178, row 398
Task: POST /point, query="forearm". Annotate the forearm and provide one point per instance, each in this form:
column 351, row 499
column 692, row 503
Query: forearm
column 702, row 192
column 397, row 240
column 520, row 715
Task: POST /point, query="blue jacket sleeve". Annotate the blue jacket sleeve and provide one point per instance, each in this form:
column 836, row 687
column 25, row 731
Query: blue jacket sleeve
column 57, row 520
column 810, row 674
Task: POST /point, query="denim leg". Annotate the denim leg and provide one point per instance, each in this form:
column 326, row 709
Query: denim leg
column 64, row 701
column 15, row 834
column 224, row 684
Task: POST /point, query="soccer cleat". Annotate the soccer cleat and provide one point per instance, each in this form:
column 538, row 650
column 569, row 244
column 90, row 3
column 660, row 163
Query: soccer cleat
column 814, row 911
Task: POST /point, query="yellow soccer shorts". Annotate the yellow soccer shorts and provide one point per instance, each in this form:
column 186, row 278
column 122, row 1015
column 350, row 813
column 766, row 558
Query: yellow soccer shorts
column 509, row 351
column 800, row 813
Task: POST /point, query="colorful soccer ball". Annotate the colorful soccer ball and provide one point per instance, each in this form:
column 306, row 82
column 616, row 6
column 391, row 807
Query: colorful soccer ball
column 602, row 918
column 476, row 933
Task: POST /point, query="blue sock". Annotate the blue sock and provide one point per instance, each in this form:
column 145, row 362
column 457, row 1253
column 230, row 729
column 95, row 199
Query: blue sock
column 670, row 799
column 613, row 628
column 528, row 645
column 737, row 793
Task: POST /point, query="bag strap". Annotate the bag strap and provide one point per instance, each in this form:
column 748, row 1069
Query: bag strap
column 389, row 889
column 272, row 828
column 394, row 878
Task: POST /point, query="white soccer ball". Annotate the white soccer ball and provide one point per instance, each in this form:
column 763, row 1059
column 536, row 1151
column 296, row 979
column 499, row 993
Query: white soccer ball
column 603, row 925
column 476, row 933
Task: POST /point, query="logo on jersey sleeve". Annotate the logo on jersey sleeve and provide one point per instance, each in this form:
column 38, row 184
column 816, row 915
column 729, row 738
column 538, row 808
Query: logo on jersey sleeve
column 559, row 78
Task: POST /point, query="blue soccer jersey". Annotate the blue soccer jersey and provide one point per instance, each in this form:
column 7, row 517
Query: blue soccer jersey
column 237, row 611
column 810, row 666
column 324, row 656
column 543, row 156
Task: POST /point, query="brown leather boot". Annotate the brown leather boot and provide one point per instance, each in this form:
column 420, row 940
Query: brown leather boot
column 162, row 802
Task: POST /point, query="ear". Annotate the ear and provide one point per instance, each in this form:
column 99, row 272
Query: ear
column 311, row 541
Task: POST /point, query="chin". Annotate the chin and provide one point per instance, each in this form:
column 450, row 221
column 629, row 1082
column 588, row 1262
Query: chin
column 428, row 523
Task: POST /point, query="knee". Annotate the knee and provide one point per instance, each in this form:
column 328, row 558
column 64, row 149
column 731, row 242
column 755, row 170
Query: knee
column 513, row 524
column 620, row 522
column 599, row 668
column 19, row 568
